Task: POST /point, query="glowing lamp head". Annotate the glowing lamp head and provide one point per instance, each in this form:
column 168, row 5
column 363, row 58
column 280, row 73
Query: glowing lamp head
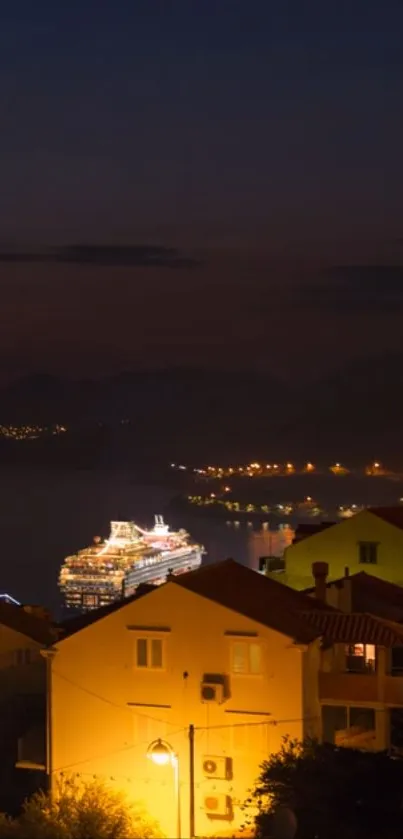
column 159, row 753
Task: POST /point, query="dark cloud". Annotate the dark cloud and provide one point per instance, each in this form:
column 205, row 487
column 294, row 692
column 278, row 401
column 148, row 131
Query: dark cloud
column 356, row 288
column 125, row 256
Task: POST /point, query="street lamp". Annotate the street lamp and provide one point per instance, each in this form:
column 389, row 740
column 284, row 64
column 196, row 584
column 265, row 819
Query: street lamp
column 162, row 753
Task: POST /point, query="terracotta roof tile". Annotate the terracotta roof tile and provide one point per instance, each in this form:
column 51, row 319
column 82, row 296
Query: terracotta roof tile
column 371, row 594
column 255, row 596
column 358, row 628
column 15, row 617
column 72, row 625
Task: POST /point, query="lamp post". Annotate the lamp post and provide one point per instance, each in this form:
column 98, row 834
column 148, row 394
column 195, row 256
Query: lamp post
column 161, row 753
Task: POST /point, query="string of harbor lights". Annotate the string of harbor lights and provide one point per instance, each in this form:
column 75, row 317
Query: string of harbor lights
column 255, row 470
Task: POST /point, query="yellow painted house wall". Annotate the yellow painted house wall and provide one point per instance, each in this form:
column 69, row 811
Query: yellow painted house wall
column 338, row 546
column 95, row 731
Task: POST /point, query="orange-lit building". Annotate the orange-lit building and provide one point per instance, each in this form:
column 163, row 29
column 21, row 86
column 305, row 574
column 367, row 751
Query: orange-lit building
column 215, row 649
column 242, row 658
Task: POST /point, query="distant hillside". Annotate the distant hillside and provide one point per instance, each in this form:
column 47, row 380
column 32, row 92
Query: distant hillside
column 180, row 413
column 356, row 414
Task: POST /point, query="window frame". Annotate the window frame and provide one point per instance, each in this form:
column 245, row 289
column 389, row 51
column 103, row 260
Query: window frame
column 347, row 709
column 248, row 643
column 149, row 638
column 368, row 546
column 23, row 656
column 395, row 669
column 367, row 669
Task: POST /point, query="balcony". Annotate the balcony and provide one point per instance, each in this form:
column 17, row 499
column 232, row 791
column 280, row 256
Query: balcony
column 349, row 687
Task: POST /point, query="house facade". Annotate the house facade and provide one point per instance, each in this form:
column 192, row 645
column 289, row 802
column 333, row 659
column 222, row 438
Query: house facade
column 373, row 677
column 371, row 540
column 218, row 666
column 24, row 633
column 177, row 658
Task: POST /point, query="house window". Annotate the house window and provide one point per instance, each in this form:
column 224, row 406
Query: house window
column 368, row 553
column 23, row 657
column 353, row 727
column 149, row 653
column 246, row 658
column 396, row 730
column 334, row 720
column 361, row 658
column 396, row 667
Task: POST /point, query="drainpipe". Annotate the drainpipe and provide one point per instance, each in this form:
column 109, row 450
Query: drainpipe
column 49, row 655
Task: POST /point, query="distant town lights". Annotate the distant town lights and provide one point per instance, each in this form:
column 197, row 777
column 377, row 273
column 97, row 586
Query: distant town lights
column 257, row 470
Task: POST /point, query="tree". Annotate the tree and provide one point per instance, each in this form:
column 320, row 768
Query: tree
column 333, row 792
column 79, row 811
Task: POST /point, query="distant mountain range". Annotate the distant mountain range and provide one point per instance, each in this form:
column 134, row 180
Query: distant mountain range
column 203, row 415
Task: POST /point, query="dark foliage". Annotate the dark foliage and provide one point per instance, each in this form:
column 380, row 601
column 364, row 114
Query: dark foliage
column 334, row 792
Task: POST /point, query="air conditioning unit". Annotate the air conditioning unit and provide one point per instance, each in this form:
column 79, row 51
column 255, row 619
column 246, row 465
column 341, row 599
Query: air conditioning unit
column 212, row 692
column 218, row 807
column 219, row 768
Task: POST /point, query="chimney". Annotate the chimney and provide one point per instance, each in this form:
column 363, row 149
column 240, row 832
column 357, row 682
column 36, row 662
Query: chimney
column 346, row 594
column 320, row 571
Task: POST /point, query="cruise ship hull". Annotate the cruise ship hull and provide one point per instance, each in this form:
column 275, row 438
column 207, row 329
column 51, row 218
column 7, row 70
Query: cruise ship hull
column 113, row 569
column 157, row 574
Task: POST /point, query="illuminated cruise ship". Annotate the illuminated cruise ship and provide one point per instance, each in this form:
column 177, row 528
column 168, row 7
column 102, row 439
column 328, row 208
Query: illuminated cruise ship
column 113, row 568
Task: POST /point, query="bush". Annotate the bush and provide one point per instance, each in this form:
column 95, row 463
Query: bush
column 333, row 792
column 79, row 811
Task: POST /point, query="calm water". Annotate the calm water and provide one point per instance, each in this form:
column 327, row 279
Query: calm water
column 44, row 517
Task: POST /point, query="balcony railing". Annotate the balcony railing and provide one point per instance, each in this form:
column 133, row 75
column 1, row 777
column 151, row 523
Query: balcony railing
column 347, row 687
column 361, row 687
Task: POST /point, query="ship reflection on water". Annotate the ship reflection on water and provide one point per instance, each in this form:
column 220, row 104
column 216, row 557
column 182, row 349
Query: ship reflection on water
column 245, row 541
column 268, row 543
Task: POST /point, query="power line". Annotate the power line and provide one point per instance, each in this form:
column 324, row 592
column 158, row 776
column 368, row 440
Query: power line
column 110, row 702
column 123, row 749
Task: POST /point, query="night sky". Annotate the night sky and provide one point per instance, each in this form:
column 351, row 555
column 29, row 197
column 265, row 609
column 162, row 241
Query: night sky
column 259, row 142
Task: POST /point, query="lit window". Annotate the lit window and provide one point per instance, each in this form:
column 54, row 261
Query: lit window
column 149, row 653
column 246, row 658
column 90, row 600
column 368, row 553
column 361, row 658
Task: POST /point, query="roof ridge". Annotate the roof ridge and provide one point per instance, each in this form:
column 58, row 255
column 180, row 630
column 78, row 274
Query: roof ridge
column 26, row 623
